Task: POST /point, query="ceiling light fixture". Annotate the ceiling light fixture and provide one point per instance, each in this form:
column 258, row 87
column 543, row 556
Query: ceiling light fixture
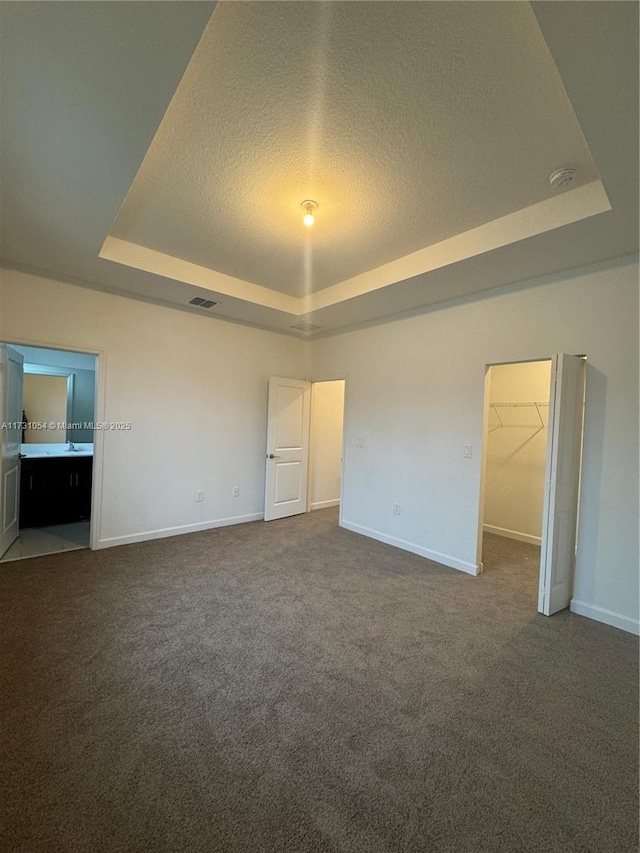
column 309, row 216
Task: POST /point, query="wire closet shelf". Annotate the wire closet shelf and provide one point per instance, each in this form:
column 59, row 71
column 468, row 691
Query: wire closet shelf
column 526, row 415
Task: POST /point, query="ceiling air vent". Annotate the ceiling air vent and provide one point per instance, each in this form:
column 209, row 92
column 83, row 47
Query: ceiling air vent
column 202, row 303
column 306, row 327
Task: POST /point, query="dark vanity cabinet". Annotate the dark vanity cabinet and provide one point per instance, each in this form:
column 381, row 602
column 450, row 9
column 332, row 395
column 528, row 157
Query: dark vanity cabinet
column 55, row 491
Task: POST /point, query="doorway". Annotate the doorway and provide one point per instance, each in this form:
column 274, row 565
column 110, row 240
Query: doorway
column 305, row 426
column 326, row 436
column 54, row 398
column 532, row 447
column 515, row 442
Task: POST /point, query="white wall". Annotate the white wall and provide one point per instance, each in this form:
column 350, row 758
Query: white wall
column 325, row 448
column 415, row 397
column 516, row 450
column 194, row 390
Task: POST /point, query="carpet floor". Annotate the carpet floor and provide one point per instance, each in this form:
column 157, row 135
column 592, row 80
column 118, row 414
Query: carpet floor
column 294, row 687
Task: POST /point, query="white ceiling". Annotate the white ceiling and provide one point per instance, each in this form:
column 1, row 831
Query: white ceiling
column 407, row 123
column 425, row 131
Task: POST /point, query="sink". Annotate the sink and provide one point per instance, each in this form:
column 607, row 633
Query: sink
column 68, row 453
column 43, row 451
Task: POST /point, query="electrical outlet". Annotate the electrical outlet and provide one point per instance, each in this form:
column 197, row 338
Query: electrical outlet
column 360, row 441
column 235, row 491
column 396, row 509
column 199, row 496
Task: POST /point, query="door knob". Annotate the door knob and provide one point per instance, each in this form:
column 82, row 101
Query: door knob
column 273, row 456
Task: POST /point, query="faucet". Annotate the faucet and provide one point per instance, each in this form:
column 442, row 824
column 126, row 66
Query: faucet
column 71, row 448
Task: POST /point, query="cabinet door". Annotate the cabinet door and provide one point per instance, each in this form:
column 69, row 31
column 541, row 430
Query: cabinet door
column 55, row 491
column 26, row 494
column 81, row 489
column 45, row 492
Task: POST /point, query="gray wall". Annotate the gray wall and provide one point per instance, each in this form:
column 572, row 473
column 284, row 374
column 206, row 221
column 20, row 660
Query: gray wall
column 83, row 403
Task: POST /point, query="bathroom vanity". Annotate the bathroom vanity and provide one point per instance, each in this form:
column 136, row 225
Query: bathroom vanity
column 55, row 484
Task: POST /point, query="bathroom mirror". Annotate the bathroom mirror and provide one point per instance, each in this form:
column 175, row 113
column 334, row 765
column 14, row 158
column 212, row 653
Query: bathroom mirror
column 47, row 399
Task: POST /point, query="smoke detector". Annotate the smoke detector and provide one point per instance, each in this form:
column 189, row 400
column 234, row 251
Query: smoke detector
column 562, row 177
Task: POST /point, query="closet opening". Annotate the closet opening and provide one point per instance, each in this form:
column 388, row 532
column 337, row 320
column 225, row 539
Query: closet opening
column 514, row 461
column 532, row 453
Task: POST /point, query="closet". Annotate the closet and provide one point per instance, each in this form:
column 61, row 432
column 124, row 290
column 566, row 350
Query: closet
column 516, row 447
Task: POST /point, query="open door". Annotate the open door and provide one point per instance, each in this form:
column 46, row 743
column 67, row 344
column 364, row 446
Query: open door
column 559, row 522
column 287, row 448
column 10, row 444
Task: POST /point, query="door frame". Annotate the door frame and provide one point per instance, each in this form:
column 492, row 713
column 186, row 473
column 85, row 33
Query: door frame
column 341, row 378
column 483, row 466
column 95, row 522
column 484, row 448
column 329, row 377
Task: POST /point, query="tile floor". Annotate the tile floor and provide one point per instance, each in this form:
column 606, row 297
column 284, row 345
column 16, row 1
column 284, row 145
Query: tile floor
column 37, row 541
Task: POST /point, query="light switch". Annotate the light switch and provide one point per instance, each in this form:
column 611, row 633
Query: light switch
column 466, row 451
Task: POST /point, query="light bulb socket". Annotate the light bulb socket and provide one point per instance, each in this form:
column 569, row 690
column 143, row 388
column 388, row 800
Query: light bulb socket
column 310, row 207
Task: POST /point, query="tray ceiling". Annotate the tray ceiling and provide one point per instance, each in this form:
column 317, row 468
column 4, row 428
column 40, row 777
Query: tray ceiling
column 426, row 132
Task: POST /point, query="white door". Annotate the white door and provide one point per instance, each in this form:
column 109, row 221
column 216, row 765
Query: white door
column 559, row 521
column 287, row 447
column 10, row 441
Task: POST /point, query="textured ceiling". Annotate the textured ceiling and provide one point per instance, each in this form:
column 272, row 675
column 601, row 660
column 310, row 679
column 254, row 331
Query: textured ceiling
column 85, row 87
column 408, row 123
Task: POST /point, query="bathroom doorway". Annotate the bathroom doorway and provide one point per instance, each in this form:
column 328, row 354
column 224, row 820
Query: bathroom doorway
column 57, row 389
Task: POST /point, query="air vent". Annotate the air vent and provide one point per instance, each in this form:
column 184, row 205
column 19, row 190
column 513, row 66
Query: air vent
column 202, row 303
column 306, row 327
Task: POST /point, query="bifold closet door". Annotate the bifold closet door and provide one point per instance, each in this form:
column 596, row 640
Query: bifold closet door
column 559, row 523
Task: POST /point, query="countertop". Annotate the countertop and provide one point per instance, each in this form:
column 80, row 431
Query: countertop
column 47, row 451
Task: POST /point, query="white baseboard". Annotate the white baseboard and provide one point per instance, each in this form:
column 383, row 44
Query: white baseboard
column 600, row 614
column 324, row 504
column 444, row 559
column 164, row 532
column 512, row 534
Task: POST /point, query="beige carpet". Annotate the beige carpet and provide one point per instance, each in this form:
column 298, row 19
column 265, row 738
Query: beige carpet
column 293, row 687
